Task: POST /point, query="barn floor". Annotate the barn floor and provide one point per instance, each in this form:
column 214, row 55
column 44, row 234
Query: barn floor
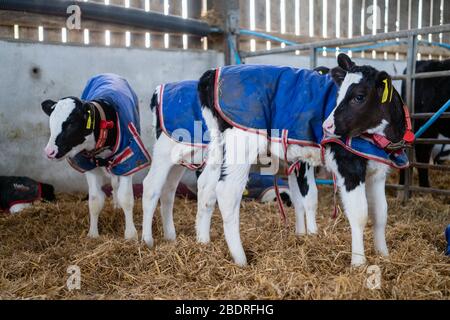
column 38, row 246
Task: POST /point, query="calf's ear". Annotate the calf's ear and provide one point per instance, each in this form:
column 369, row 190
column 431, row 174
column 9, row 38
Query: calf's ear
column 345, row 62
column 338, row 74
column 48, row 106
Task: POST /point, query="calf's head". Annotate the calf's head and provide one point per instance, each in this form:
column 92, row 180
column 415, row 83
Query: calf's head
column 366, row 102
column 71, row 130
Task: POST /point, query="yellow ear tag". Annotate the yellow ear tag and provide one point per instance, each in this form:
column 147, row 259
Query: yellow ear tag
column 89, row 121
column 246, row 193
column 386, row 91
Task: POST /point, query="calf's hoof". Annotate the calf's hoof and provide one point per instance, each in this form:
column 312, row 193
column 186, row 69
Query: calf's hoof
column 93, row 234
column 170, row 236
column 131, row 234
column 384, row 252
column 240, row 261
column 358, row 261
column 203, row 239
column 148, row 240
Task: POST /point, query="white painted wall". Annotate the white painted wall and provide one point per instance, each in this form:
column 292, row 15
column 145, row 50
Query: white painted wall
column 64, row 71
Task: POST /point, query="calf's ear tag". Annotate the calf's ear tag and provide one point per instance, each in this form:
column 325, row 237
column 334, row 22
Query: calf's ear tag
column 385, row 96
column 89, row 120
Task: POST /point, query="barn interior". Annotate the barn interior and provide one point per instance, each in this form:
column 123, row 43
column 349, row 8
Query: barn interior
column 49, row 49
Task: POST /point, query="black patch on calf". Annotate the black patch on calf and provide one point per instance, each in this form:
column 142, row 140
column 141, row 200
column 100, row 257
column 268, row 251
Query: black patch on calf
column 154, row 104
column 74, row 129
column 429, row 96
column 286, row 199
column 16, row 190
column 302, row 180
column 47, row 192
column 223, row 174
column 206, row 89
column 350, row 166
column 48, row 106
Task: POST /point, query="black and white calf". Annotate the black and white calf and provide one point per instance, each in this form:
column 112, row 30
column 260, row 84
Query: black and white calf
column 366, row 103
column 429, row 96
column 440, row 152
column 176, row 107
column 18, row 193
column 99, row 136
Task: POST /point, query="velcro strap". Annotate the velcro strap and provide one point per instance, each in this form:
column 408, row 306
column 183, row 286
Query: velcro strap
column 104, row 124
column 381, row 141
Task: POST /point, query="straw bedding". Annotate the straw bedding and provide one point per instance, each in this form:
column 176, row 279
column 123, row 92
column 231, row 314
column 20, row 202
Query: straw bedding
column 38, row 245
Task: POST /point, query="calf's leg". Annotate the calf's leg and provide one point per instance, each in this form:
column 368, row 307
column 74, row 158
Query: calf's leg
column 304, row 196
column 96, row 200
column 355, row 205
column 308, row 190
column 207, row 183
column 423, row 155
column 378, row 208
column 296, row 198
column 153, row 185
column 350, row 171
column 115, row 188
column 126, row 201
column 240, row 151
column 206, row 186
column 229, row 194
column 167, row 201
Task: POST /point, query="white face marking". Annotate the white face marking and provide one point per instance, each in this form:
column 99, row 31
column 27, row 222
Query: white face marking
column 61, row 112
column 379, row 129
column 350, row 78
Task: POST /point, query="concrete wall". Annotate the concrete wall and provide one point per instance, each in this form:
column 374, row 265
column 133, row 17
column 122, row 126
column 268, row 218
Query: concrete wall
column 31, row 73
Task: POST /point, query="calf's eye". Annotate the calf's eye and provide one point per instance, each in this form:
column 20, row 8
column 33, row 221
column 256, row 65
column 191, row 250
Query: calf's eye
column 359, row 98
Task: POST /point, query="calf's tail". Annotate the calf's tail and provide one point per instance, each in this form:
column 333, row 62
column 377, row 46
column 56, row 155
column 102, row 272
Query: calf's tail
column 206, row 91
column 154, row 103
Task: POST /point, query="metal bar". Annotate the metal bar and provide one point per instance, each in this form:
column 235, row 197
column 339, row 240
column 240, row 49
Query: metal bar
column 432, row 120
column 445, row 115
column 424, row 75
column 312, row 58
column 432, row 141
column 410, row 84
column 343, row 42
column 113, row 14
column 431, row 166
column 419, row 189
column 232, row 22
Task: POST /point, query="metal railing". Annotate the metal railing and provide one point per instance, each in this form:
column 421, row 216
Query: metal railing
column 410, row 78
